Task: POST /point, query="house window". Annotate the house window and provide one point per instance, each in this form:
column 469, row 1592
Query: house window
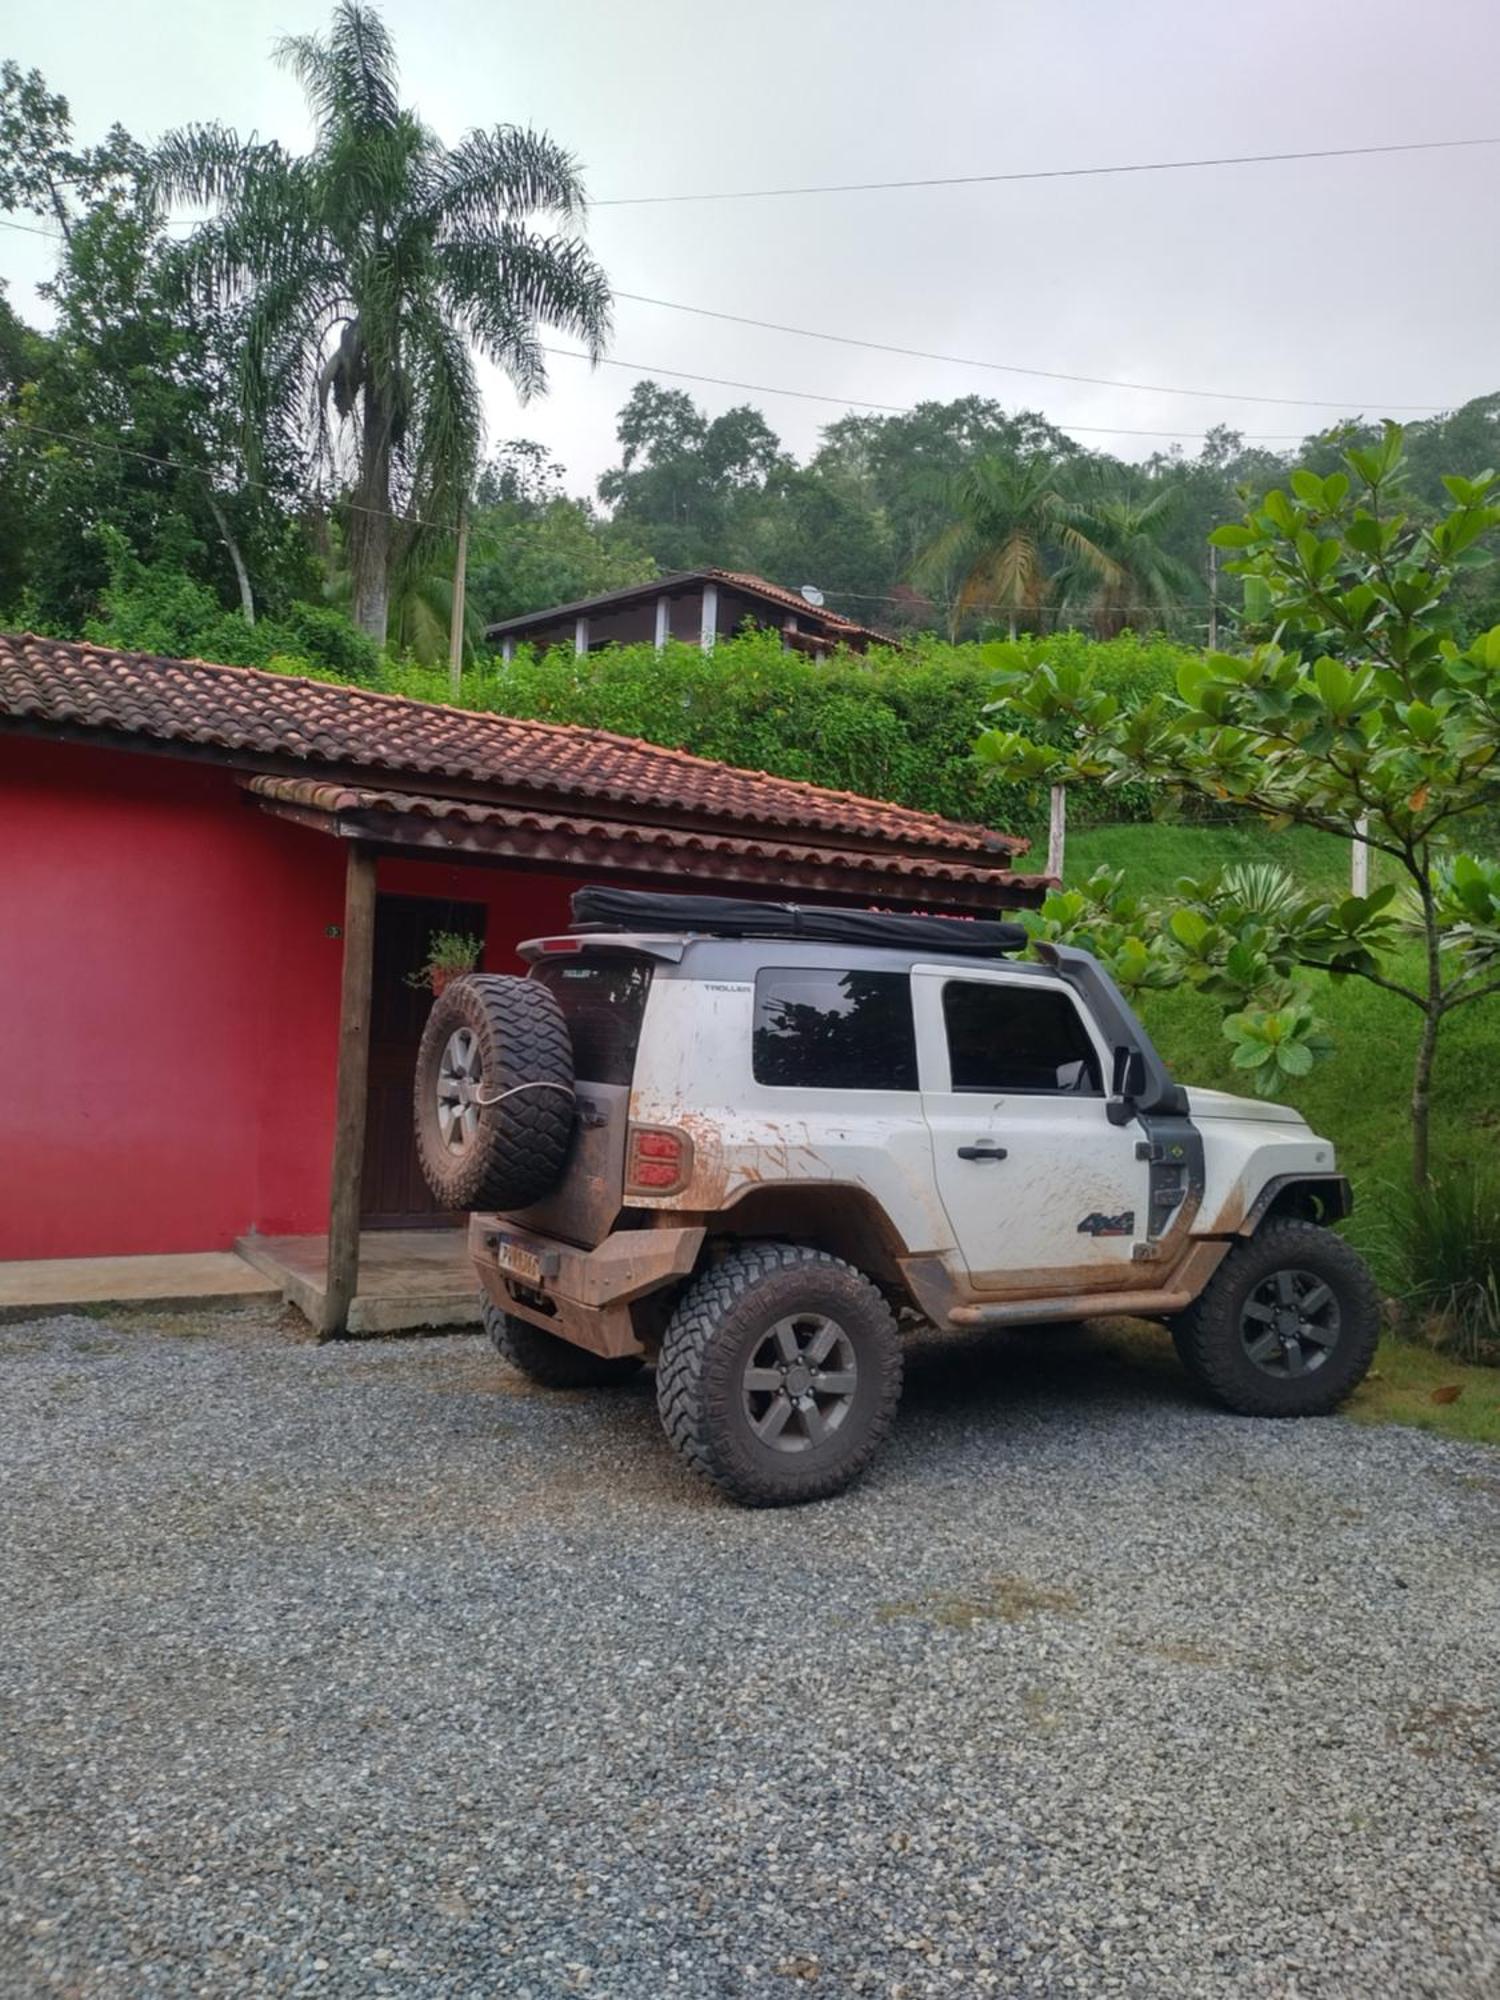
column 818, row 1029
column 1017, row 1038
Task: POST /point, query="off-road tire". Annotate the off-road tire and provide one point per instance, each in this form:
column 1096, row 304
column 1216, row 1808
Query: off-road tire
column 554, row 1363
column 713, row 1335
column 520, row 1136
column 1209, row 1339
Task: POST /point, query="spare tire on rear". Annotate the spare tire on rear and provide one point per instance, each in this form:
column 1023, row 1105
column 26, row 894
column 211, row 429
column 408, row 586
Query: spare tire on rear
column 494, row 1093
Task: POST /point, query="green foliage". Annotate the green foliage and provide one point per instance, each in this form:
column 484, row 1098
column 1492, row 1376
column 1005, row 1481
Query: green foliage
column 448, row 952
column 1443, row 1259
column 159, row 609
column 888, row 724
column 1359, row 714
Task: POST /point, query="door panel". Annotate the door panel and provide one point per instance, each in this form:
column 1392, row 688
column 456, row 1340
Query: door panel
column 1043, row 1193
column 395, row 1192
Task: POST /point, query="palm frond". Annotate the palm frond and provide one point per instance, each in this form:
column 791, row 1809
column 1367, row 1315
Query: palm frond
column 511, row 278
column 505, row 174
column 350, row 78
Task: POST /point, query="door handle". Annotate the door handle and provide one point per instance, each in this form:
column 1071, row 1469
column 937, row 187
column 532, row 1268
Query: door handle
column 982, row 1153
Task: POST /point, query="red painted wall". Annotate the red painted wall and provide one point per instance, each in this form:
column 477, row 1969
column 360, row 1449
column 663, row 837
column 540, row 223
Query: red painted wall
column 169, row 1001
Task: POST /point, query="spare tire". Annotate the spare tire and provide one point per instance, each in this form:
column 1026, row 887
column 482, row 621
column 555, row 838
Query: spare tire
column 494, row 1093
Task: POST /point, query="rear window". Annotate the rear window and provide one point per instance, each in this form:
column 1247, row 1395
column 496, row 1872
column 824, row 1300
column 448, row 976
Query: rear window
column 829, row 1030
column 603, row 998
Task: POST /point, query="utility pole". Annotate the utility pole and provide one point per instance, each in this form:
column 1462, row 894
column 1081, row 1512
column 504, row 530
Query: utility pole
column 1213, row 598
column 456, row 629
column 1359, row 858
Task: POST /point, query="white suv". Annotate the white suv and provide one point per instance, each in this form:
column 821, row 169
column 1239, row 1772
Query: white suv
column 746, row 1139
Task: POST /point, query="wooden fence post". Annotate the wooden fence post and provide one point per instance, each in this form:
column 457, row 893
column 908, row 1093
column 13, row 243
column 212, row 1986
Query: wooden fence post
column 352, row 1092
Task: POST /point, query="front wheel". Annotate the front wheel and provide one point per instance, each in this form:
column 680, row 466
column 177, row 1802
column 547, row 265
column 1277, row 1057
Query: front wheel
column 1287, row 1325
column 779, row 1374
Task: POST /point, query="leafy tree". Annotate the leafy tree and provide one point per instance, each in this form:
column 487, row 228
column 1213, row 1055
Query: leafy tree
column 371, row 269
column 690, row 487
column 1362, row 715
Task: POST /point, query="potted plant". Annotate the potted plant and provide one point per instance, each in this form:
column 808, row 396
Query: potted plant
column 450, row 954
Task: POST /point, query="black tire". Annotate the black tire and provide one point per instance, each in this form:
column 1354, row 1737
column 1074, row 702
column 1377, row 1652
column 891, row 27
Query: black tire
column 551, row 1361
column 722, row 1333
column 500, row 1051
column 1287, row 1325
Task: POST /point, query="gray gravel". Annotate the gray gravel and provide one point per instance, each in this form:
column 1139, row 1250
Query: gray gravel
column 368, row 1670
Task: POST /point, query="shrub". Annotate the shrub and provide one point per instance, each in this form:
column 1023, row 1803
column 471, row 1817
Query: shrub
column 1443, row 1251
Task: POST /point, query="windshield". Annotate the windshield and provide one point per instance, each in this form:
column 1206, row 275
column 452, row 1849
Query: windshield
column 603, row 997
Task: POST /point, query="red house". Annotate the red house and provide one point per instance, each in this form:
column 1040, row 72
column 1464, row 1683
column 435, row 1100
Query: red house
column 215, row 882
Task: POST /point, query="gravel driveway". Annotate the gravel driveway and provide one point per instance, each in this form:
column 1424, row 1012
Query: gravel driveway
column 367, row 1669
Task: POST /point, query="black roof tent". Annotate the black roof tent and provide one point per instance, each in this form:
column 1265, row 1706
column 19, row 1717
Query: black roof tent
column 728, row 917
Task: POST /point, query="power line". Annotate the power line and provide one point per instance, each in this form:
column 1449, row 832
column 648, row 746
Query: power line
column 1006, row 367
column 1044, row 174
column 955, row 360
column 862, row 403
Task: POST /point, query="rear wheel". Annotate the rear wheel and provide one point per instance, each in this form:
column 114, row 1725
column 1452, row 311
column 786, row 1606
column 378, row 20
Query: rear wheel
column 1287, row 1325
column 779, row 1374
column 554, row 1363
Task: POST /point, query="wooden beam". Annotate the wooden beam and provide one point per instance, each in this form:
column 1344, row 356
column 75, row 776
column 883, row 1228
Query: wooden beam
column 352, row 1092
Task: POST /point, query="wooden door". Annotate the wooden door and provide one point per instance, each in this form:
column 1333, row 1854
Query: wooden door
column 396, row 1196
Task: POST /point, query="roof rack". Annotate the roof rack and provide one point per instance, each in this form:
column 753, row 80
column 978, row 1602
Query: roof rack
column 728, row 917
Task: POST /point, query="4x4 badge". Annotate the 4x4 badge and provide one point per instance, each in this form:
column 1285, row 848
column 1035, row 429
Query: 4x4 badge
column 1108, row 1225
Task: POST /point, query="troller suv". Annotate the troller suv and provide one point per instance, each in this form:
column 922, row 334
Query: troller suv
column 750, row 1140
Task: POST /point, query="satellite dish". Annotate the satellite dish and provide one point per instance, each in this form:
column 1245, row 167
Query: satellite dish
column 812, row 593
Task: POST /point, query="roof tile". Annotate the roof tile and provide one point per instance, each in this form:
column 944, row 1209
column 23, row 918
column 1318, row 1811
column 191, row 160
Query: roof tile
column 250, row 715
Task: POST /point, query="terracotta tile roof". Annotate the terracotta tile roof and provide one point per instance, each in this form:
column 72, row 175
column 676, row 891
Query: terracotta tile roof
column 250, row 717
column 575, row 838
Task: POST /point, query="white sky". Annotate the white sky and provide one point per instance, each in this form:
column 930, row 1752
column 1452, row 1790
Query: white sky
column 1368, row 282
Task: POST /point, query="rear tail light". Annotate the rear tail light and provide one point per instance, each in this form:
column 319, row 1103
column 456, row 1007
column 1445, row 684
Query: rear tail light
column 658, row 1160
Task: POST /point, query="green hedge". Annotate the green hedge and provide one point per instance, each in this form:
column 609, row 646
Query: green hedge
column 893, row 725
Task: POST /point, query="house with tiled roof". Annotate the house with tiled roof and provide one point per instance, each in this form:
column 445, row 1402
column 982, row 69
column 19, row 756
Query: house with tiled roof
column 695, row 605
column 219, row 883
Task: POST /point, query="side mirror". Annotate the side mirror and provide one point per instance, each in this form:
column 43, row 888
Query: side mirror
column 1128, row 1075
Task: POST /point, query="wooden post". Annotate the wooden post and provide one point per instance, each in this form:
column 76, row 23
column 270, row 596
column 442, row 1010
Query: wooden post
column 663, row 622
column 1057, row 830
column 352, row 1092
column 580, row 636
column 507, row 650
column 709, row 627
column 456, row 626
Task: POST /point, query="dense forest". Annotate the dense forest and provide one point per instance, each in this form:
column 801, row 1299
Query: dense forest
column 254, row 435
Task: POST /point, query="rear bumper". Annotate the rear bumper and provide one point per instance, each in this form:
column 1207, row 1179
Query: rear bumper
column 580, row 1295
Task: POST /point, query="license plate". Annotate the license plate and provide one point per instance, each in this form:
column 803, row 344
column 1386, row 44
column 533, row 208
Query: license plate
column 524, row 1264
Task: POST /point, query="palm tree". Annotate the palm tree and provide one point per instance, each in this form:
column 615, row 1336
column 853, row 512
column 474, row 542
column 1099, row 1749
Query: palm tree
column 370, row 270
column 1139, row 574
column 1010, row 515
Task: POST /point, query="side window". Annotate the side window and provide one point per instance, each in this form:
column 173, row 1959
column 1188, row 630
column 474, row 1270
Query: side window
column 1017, row 1038
column 819, row 1029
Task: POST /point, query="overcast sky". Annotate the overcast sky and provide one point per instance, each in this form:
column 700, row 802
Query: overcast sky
column 1369, row 283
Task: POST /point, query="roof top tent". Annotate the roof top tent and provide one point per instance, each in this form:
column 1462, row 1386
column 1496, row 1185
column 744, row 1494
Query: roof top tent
column 693, row 606
column 615, row 910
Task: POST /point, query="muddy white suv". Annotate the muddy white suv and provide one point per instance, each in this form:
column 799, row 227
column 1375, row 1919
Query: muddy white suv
column 751, row 1140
